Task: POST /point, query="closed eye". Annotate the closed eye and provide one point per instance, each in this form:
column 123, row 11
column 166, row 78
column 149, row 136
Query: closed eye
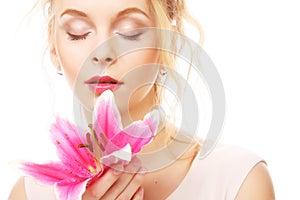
column 77, row 37
column 132, row 37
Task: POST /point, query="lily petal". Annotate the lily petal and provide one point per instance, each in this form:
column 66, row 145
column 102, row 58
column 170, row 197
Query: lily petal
column 71, row 190
column 121, row 156
column 106, row 116
column 152, row 119
column 48, row 173
column 139, row 133
column 66, row 138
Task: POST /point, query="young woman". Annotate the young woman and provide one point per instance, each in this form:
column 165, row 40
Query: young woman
column 76, row 29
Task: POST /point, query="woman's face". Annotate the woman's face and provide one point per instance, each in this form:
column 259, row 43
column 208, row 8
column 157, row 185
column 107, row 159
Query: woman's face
column 92, row 62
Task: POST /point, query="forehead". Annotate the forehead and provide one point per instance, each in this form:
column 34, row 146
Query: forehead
column 99, row 6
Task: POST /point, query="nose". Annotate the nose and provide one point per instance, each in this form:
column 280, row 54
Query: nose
column 102, row 60
column 104, row 54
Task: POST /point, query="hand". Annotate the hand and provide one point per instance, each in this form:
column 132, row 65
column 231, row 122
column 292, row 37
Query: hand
column 116, row 184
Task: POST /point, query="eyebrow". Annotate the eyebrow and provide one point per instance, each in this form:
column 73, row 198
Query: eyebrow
column 120, row 14
column 132, row 10
column 73, row 12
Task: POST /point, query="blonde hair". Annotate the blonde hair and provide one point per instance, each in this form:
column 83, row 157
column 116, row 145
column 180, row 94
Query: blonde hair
column 171, row 15
column 168, row 15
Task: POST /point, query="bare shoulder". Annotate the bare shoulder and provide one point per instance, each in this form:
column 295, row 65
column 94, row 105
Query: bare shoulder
column 257, row 185
column 18, row 191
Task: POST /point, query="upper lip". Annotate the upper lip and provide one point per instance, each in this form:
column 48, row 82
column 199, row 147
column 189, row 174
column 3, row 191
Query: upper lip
column 102, row 79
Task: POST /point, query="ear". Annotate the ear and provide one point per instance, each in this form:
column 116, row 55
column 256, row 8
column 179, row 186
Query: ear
column 54, row 58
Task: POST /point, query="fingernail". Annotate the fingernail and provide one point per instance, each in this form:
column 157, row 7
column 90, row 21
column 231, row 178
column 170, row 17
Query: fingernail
column 117, row 169
column 141, row 190
column 136, row 162
column 116, row 172
column 142, row 170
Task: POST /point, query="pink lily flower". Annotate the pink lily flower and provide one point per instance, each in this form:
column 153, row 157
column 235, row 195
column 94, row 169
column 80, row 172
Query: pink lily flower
column 82, row 161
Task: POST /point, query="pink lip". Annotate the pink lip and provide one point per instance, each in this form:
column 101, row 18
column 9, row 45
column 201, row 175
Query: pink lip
column 99, row 84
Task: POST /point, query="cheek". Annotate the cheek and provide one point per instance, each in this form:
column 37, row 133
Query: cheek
column 143, row 83
column 139, row 72
column 134, row 62
column 141, row 68
column 71, row 59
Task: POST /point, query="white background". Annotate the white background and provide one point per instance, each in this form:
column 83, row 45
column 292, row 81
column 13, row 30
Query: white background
column 254, row 44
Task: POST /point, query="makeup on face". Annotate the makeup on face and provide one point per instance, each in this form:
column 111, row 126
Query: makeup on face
column 99, row 84
column 76, row 24
column 84, row 26
column 127, row 23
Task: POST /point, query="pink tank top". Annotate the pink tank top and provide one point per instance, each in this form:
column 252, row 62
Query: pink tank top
column 219, row 176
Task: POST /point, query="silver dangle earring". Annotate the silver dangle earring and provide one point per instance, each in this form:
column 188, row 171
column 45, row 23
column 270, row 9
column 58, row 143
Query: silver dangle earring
column 59, row 70
column 163, row 71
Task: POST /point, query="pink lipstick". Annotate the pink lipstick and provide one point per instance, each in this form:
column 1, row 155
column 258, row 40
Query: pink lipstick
column 99, row 84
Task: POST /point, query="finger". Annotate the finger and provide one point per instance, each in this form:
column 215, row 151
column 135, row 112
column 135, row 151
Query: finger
column 139, row 195
column 102, row 185
column 132, row 188
column 123, row 181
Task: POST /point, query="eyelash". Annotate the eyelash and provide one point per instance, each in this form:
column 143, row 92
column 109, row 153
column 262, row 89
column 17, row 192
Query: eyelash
column 131, row 37
column 77, row 37
column 74, row 37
